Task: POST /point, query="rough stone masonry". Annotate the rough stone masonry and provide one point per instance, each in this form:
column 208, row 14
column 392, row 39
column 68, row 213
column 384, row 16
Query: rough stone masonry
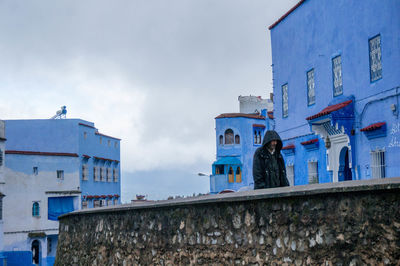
column 347, row 223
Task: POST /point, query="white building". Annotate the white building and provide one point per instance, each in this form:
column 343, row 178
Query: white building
column 254, row 104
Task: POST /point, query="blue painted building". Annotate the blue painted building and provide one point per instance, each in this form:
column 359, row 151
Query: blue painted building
column 336, row 87
column 2, row 190
column 238, row 135
column 53, row 166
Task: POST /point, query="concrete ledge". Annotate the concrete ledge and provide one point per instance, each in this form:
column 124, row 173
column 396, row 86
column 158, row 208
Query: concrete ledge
column 272, row 193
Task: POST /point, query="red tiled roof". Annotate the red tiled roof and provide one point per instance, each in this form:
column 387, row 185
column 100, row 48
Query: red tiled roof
column 311, row 141
column 258, row 125
column 286, row 14
column 42, row 153
column 271, row 114
column 330, row 109
column 288, row 147
column 86, row 156
column 231, row 115
column 100, row 134
column 105, row 159
column 373, row 126
column 86, row 125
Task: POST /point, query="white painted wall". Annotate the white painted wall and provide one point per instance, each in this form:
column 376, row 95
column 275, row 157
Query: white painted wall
column 24, row 189
column 249, row 104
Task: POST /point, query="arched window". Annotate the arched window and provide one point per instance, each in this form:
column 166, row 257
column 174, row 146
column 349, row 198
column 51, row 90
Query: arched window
column 35, row 209
column 221, row 140
column 230, row 175
column 229, row 136
column 238, row 175
column 259, row 137
column 237, row 139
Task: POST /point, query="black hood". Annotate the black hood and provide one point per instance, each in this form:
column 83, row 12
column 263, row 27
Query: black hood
column 271, row 135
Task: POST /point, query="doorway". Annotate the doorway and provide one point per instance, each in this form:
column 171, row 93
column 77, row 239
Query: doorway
column 344, row 173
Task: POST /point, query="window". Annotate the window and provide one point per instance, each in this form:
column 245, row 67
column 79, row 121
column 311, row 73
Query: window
column 219, row 169
column 375, row 56
column 85, row 135
column 96, row 203
column 378, row 164
column 60, row 174
column 230, row 175
column 313, row 173
column 257, row 135
column 84, row 204
column 221, row 140
column 103, row 203
column 35, row 170
column 109, row 143
column 290, row 174
column 229, row 136
column 115, row 144
column 35, row 209
column 95, row 174
column 238, row 175
column 115, row 175
column 102, row 177
column 109, row 174
column 237, row 139
column 101, row 140
column 1, row 157
column 285, row 101
column 85, row 174
column 337, row 75
column 109, row 202
column 310, row 87
column 115, row 201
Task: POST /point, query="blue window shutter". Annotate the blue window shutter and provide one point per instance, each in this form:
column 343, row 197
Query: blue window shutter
column 58, row 206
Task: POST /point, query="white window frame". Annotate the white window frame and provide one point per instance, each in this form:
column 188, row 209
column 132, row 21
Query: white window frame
column 85, row 172
column 84, row 204
column 290, row 173
column 310, row 87
column 95, row 173
column 96, row 203
column 312, row 168
column 115, row 174
column 285, row 100
column 378, row 167
column 109, row 174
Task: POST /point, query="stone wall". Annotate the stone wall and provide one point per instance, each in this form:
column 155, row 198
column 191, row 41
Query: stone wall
column 348, row 223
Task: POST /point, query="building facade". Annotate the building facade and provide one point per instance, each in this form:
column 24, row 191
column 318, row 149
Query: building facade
column 2, row 183
column 238, row 135
column 336, row 87
column 53, row 166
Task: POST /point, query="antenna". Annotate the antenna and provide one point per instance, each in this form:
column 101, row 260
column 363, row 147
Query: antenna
column 60, row 114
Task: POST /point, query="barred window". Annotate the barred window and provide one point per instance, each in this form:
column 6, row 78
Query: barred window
column 95, row 174
column 109, row 174
column 310, row 87
column 285, row 100
column 1, row 157
column 378, row 166
column 313, row 172
column 115, row 175
column 375, row 56
column 102, row 177
column 96, row 203
column 84, row 204
column 337, row 76
column 85, row 175
column 1, row 208
column 290, row 174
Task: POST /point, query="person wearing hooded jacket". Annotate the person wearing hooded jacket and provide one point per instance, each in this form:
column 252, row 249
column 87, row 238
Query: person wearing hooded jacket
column 268, row 164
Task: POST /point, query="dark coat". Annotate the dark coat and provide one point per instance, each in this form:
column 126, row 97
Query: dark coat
column 262, row 164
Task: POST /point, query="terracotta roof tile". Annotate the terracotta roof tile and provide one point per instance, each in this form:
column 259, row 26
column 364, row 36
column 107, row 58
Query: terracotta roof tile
column 42, row 153
column 286, row 14
column 373, row 126
column 231, row 115
column 288, row 147
column 329, row 109
column 308, row 142
column 258, row 125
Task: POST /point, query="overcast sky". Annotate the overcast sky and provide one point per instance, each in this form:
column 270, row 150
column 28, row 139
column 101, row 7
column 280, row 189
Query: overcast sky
column 154, row 73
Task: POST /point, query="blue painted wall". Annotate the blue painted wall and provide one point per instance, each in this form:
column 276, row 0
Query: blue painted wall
column 242, row 126
column 309, row 38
